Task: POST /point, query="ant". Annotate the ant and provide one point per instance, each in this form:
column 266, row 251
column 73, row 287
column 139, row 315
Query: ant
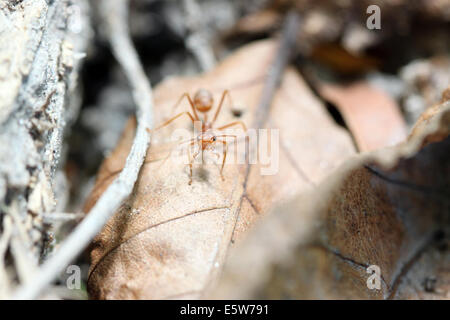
column 202, row 103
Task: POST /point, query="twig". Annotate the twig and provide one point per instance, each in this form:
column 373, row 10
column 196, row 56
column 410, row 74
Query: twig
column 115, row 15
column 271, row 84
column 197, row 41
column 26, row 266
column 4, row 242
column 21, row 231
column 21, row 245
column 284, row 54
column 62, row 217
column 273, row 78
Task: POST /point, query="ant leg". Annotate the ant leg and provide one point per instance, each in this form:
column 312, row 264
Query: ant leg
column 225, row 93
column 172, row 119
column 235, row 123
column 191, row 160
column 224, row 157
column 190, row 166
column 170, row 153
column 234, row 142
column 186, row 95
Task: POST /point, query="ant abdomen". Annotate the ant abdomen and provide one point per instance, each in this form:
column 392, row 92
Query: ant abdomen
column 203, row 100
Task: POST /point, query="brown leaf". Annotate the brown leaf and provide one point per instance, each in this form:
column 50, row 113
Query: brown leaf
column 170, row 239
column 341, row 60
column 259, row 22
column 424, row 121
column 372, row 116
column 388, row 208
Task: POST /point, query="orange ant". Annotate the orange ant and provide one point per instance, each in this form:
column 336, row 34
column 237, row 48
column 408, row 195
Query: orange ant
column 203, row 102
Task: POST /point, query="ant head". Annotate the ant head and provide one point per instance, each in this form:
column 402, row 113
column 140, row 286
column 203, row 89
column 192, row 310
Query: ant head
column 203, row 100
column 207, row 137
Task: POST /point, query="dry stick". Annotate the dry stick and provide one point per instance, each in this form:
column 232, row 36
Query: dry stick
column 61, row 217
column 278, row 65
column 197, row 41
column 20, row 245
column 282, row 58
column 115, row 18
column 4, row 243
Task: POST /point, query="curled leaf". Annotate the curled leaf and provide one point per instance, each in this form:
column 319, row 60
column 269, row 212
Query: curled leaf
column 372, row 116
column 377, row 228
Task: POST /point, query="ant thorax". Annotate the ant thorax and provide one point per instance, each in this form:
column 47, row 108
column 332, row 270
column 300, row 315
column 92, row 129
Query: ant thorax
column 206, row 125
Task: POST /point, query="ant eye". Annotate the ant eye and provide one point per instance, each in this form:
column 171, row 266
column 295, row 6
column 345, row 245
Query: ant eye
column 214, row 138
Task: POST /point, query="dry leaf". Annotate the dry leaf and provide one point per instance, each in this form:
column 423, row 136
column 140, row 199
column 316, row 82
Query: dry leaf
column 259, row 22
column 170, row 239
column 338, row 58
column 389, row 208
column 372, row 116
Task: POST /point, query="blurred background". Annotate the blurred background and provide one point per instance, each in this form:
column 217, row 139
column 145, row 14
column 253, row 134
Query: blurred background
column 401, row 66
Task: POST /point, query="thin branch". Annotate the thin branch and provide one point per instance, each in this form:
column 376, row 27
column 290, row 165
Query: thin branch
column 26, row 266
column 284, row 54
column 21, row 230
column 277, row 67
column 4, row 243
column 62, row 217
column 198, row 40
column 115, row 15
column 21, row 245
